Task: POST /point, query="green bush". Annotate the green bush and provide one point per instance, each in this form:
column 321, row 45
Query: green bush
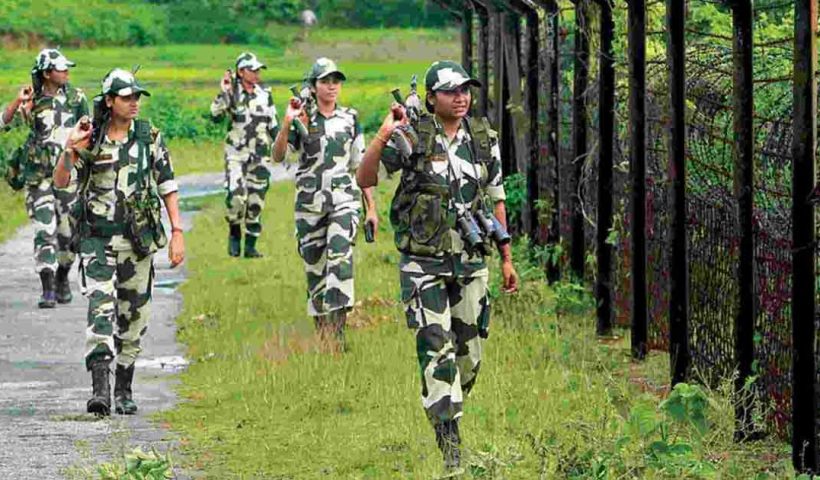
column 60, row 22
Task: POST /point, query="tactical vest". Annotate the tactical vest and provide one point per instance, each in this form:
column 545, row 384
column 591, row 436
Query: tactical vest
column 142, row 221
column 420, row 212
column 34, row 158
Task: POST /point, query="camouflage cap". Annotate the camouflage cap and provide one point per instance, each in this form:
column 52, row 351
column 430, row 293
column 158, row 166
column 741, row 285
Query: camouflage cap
column 322, row 68
column 51, row 59
column 249, row 61
column 447, row 75
column 121, row 83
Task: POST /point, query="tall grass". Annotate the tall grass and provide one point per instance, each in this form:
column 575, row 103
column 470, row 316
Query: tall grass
column 263, row 399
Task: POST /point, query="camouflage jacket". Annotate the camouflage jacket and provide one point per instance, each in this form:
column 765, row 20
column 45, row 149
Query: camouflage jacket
column 112, row 181
column 254, row 124
column 452, row 164
column 328, row 161
column 50, row 121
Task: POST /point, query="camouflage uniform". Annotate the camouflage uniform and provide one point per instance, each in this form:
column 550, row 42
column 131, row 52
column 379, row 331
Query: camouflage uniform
column 49, row 208
column 248, row 144
column 118, row 282
column 328, row 201
column 444, row 290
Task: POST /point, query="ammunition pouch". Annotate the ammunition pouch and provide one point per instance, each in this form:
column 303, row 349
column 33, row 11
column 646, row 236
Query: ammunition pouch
column 15, row 176
column 422, row 220
column 143, row 224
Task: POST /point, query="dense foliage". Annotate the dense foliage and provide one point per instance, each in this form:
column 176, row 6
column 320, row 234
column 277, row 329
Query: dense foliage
column 151, row 22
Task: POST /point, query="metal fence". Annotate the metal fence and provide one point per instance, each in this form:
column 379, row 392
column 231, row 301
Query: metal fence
column 679, row 182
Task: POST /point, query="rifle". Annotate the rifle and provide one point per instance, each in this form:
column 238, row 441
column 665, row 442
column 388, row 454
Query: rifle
column 404, row 136
column 306, row 101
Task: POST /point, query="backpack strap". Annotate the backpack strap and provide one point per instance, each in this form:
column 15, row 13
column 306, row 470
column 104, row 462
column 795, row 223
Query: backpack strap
column 143, row 136
column 426, row 131
column 480, row 138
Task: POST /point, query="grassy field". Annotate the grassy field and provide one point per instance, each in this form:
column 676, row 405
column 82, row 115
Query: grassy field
column 184, row 78
column 262, row 399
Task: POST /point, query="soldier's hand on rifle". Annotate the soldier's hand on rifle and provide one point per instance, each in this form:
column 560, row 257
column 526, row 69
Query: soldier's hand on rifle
column 80, row 135
column 225, row 85
column 396, row 117
column 296, row 110
column 25, row 94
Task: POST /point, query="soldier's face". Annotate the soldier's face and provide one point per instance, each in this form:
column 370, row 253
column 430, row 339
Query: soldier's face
column 452, row 104
column 126, row 108
column 250, row 76
column 57, row 77
column 328, row 89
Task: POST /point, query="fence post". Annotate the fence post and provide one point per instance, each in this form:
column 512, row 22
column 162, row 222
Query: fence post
column 679, row 262
column 579, row 135
column 637, row 149
column 535, row 163
column 744, row 171
column 606, row 122
column 553, row 133
column 804, row 309
column 467, row 39
column 483, row 60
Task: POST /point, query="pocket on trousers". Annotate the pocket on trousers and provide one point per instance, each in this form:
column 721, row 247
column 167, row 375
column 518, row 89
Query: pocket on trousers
column 413, row 308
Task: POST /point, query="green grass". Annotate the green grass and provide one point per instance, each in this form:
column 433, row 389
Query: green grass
column 263, row 400
column 12, row 211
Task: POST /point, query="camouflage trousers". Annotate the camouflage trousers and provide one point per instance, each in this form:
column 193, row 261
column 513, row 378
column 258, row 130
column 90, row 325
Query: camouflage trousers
column 49, row 210
column 118, row 286
column 247, row 182
column 445, row 311
column 326, row 246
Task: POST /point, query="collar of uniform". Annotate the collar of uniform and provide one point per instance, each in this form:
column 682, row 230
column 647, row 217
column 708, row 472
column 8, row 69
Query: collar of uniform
column 252, row 93
column 461, row 134
column 336, row 110
column 108, row 141
column 60, row 91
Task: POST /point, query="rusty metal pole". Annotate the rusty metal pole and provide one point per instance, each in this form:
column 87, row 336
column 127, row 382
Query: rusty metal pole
column 606, row 123
column 579, row 136
column 744, row 139
column 804, row 308
column 679, row 259
column 637, row 149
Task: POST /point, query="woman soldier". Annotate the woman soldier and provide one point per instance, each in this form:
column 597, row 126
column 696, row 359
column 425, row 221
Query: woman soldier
column 51, row 107
column 247, row 150
column 122, row 179
column 450, row 178
column 327, row 197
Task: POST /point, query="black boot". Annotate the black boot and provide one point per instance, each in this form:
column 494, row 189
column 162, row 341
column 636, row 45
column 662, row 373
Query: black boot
column 100, row 402
column 449, row 441
column 234, row 240
column 49, row 297
column 250, row 247
column 123, row 403
column 63, row 289
column 338, row 319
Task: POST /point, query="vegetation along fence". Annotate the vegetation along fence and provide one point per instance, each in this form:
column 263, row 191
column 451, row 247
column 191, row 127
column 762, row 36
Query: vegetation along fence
column 668, row 152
